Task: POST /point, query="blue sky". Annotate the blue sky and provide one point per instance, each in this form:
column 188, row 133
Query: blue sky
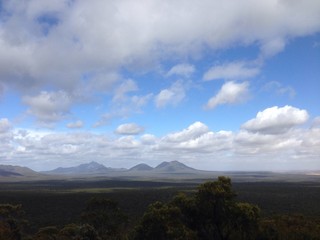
column 219, row 86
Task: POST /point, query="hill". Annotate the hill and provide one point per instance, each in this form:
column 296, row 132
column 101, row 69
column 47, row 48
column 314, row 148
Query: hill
column 9, row 172
column 173, row 166
column 141, row 167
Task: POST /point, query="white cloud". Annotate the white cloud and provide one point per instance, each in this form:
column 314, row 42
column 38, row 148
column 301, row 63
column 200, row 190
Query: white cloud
column 276, row 120
column 272, row 47
column 230, row 93
column 193, row 131
column 123, row 108
column 148, row 139
column 89, row 44
column 129, row 129
column 99, row 36
column 231, row 71
column 171, row 96
column 196, row 145
column 76, row 124
column 185, row 70
column 49, row 107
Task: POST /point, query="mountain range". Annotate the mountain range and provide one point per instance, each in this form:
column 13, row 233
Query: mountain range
column 94, row 168
column 165, row 170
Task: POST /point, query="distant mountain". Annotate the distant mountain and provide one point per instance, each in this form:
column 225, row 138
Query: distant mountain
column 141, row 167
column 94, row 168
column 173, row 166
column 16, row 171
column 86, row 168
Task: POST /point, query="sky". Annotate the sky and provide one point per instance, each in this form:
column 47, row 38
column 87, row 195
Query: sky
column 217, row 85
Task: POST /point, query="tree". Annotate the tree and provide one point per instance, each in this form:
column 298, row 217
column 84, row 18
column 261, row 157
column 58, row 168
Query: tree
column 11, row 222
column 211, row 213
column 78, row 232
column 220, row 216
column 105, row 216
column 290, row 227
column 163, row 222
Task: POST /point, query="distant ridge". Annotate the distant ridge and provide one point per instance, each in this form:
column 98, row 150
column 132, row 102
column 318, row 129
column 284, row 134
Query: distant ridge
column 166, row 170
column 94, row 168
column 141, row 167
column 174, row 166
column 4, row 173
column 16, row 171
column 86, row 168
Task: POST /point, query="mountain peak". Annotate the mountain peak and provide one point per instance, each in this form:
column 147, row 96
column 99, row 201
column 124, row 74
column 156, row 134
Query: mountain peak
column 85, row 168
column 173, row 166
column 92, row 165
column 141, row 167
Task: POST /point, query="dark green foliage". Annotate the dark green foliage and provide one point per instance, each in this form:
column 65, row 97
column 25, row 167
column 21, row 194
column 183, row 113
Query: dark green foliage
column 212, row 213
column 105, row 216
column 293, row 227
column 11, row 222
column 69, row 232
column 47, row 233
column 78, row 232
column 163, row 222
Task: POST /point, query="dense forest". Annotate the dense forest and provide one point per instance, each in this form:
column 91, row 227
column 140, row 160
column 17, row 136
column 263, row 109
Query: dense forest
column 212, row 210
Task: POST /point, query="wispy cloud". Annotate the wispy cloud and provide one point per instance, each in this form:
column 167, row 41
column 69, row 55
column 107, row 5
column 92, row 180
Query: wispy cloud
column 184, row 69
column 231, row 71
column 279, row 89
column 76, row 124
column 129, row 129
column 172, row 95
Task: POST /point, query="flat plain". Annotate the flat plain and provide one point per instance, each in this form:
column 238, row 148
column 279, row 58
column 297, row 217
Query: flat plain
column 59, row 202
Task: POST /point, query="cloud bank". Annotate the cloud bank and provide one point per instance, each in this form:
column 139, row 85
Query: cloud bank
column 262, row 141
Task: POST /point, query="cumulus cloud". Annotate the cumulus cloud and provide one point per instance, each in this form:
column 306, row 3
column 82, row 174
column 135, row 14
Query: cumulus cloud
column 55, row 45
column 196, row 144
column 54, row 52
column 194, row 130
column 49, row 107
column 276, row 120
column 129, row 129
column 231, row 71
column 171, row 96
column 183, row 69
column 230, row 93
column 197, row 138
column 148, row 139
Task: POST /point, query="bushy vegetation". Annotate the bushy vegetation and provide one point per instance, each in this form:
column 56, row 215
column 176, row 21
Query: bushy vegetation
column 212, row 211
